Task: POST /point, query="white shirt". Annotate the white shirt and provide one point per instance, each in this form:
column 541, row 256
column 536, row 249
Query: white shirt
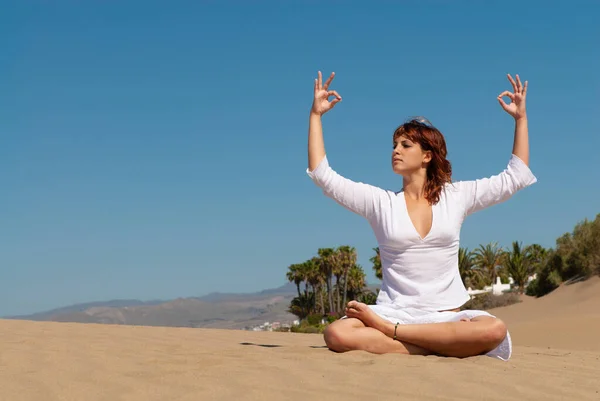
column 421, row 272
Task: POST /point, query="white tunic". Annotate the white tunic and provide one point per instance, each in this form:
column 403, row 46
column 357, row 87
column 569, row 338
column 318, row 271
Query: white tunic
column 421, row 275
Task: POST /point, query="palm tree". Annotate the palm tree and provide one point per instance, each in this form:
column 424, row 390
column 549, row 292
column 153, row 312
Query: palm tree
column 326, row 261
column 536, row 255
column 338, row 272
column 316, row 280
column 376, row 260
column 356, row 281
column 489, row 258
column 295, row 275
column 471, row 275
column 368, row 297
column 300, row 306
column 348, row 260
column 517, row 265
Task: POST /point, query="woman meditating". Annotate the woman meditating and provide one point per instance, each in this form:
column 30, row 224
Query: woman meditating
column 417, row 230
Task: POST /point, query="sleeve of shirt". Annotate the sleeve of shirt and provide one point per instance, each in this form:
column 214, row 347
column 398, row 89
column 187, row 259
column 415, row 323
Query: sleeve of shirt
column 485, row 192
column 363, row 199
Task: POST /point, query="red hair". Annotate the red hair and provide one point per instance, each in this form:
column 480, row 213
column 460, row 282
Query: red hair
column 439, row 169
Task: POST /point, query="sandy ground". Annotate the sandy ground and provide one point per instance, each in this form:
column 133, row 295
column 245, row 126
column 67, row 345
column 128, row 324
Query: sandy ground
column 556, row 357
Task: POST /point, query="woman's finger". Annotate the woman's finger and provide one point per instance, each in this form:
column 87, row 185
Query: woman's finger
column 512, row 81
column 508, row 94
column 328, row 82
column 334, row 102
column 503, row 104
column 320, row 80
column 525, row 89
column 334, row 93
column 519, row 84
column 501, row 99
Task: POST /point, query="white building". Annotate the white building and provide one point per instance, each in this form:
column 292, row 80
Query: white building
column 498, row 288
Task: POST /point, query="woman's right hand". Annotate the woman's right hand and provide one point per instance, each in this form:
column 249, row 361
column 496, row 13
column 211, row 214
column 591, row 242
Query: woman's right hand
column 321, row 103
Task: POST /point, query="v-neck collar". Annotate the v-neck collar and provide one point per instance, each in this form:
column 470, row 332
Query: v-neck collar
column 412, row 224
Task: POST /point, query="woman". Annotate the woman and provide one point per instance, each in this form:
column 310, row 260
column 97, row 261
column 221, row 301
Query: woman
column 417, row 229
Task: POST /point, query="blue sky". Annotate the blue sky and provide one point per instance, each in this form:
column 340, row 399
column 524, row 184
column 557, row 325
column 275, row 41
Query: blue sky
column 155, row 150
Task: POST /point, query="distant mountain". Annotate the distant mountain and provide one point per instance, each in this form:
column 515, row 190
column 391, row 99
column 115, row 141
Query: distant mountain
column 215, row 310
column 288, row 288
column 115, row 303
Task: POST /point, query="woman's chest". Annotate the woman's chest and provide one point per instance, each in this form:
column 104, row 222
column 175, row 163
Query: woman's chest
column 416, row 224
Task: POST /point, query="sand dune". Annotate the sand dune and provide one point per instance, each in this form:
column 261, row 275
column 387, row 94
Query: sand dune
column 556, row 357
column 567, row 318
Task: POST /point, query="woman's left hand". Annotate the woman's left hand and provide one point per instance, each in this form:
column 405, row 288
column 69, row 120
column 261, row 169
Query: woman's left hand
column 516, row 108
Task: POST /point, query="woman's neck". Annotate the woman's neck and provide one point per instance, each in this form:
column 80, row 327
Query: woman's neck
column 413, row 185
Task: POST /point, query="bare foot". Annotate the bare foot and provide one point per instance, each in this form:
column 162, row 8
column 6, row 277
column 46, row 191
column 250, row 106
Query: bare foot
column 365, row 314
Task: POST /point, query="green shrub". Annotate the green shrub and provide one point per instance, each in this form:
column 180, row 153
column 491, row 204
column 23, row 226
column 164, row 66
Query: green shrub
column 532, row 288
column 314, row 319
column 489, row 301
column 331, row 319
column 304, row 327
column 368, row 297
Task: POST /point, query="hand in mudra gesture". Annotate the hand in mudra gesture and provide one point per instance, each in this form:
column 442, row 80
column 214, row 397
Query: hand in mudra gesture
column 321, row 103
column 516, row 108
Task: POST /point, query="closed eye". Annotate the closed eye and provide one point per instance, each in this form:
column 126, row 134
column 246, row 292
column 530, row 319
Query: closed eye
column 403, row 143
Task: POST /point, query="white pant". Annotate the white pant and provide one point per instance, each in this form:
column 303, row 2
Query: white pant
column 418, row 316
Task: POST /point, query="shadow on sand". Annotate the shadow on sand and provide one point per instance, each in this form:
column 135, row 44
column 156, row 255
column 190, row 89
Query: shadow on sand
column 262, row 345
column 277, row 346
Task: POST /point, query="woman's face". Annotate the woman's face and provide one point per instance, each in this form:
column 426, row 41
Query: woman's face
column 408, row 156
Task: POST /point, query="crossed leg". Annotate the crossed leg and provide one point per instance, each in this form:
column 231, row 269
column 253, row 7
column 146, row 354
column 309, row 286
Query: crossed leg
column 365, row 330
column 351, row 334
column 455, row 339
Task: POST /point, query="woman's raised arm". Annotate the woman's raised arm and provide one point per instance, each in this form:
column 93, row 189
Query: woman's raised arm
column 363, row 199
column 320, row 106
column 486, row 192
column 517, row 109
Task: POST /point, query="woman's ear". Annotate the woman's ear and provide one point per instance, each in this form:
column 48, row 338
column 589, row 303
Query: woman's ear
column 427, row 155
